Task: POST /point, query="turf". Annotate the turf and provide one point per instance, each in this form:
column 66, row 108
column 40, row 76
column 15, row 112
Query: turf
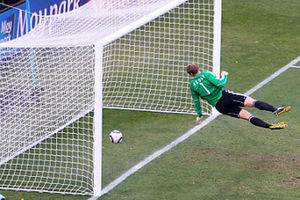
column 228, row 159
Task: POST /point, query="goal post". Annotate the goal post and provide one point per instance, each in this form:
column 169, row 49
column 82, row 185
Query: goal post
column 217, row 42
column 97, row 146
column 108, row 54
column 217, row 37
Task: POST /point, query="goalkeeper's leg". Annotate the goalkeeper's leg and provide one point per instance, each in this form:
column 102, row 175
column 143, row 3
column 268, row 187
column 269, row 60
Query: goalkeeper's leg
column 244, row 114
column 231, row 103
column 250, row 102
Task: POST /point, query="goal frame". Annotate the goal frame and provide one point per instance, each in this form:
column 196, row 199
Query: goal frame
column 98, row 59
column 99, row 46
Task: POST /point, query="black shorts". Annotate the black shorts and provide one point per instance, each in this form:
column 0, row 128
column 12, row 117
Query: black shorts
column 230, row 103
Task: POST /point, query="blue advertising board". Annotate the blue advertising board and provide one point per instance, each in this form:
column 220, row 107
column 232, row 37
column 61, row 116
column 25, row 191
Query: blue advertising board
column 15, row 23
column 7, row 25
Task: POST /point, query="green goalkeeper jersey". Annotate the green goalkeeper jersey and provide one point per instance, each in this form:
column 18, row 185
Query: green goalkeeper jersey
column 206, row 86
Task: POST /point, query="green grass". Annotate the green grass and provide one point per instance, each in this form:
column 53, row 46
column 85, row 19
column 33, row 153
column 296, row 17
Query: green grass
column 258, row 37
column 228, row 159
column 147, row 133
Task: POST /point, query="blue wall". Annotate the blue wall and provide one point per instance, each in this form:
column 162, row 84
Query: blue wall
column 14, row 22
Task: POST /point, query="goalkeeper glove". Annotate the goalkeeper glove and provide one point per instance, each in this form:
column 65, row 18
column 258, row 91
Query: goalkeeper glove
column 199, row 120
column 224, row 73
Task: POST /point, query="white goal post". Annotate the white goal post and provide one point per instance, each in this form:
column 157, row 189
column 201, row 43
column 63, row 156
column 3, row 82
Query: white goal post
column 114, row 54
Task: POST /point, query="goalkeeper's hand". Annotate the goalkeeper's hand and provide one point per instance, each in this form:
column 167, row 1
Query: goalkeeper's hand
column 199, row 120
column 224, row 73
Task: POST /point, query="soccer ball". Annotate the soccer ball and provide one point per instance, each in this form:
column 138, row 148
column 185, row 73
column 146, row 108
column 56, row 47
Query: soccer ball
column 116, row 136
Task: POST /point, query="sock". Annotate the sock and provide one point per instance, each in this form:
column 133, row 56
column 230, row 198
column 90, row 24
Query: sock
column 258, row 122
column 264, row 106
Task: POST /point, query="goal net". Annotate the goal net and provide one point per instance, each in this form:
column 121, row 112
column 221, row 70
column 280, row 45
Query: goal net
column 117, row 54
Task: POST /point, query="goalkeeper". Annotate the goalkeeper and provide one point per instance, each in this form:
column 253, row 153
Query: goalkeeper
column 206, row 86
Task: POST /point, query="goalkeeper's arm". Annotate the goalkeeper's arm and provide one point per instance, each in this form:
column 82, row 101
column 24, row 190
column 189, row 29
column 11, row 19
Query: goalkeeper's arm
column 197, row 103
column 197, row 107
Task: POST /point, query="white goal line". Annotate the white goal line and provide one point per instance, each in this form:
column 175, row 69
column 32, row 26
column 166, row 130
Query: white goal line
column 298, row 67
column 186, row 135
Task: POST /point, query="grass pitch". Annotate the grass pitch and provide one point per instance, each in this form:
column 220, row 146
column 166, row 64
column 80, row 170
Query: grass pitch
column 228, row 159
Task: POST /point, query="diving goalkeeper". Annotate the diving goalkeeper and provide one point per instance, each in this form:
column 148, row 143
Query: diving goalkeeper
column 206, row 86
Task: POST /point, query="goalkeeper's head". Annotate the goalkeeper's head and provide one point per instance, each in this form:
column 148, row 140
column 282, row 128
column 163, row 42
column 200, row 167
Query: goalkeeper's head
column 192, row 69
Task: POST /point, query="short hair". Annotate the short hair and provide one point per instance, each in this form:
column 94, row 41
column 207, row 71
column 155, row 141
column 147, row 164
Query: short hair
column 192, row 69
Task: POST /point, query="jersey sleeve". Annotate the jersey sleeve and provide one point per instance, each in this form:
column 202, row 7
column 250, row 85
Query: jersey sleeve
column 196, row 103
column 215, row 81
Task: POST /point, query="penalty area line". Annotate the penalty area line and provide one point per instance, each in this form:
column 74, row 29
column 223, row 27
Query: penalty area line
column 186, row 135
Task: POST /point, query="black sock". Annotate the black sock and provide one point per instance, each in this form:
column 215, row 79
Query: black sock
column 264, row 106
column 258, row 122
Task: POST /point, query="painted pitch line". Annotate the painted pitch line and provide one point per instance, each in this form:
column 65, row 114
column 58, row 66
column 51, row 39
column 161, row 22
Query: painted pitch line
column 154, row 156
column 274, row 75
column 185, row 136
column 298, row 67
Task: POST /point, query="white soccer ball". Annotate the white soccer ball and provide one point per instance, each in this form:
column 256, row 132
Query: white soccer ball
column 116, row 136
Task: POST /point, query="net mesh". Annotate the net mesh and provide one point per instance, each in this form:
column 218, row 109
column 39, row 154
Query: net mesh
column 145, row 69
column 47, row 84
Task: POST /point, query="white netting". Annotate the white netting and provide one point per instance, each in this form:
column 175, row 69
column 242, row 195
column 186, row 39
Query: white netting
column 145, row 69
column 47, row 83
column 89, row 24
column 63, row 94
